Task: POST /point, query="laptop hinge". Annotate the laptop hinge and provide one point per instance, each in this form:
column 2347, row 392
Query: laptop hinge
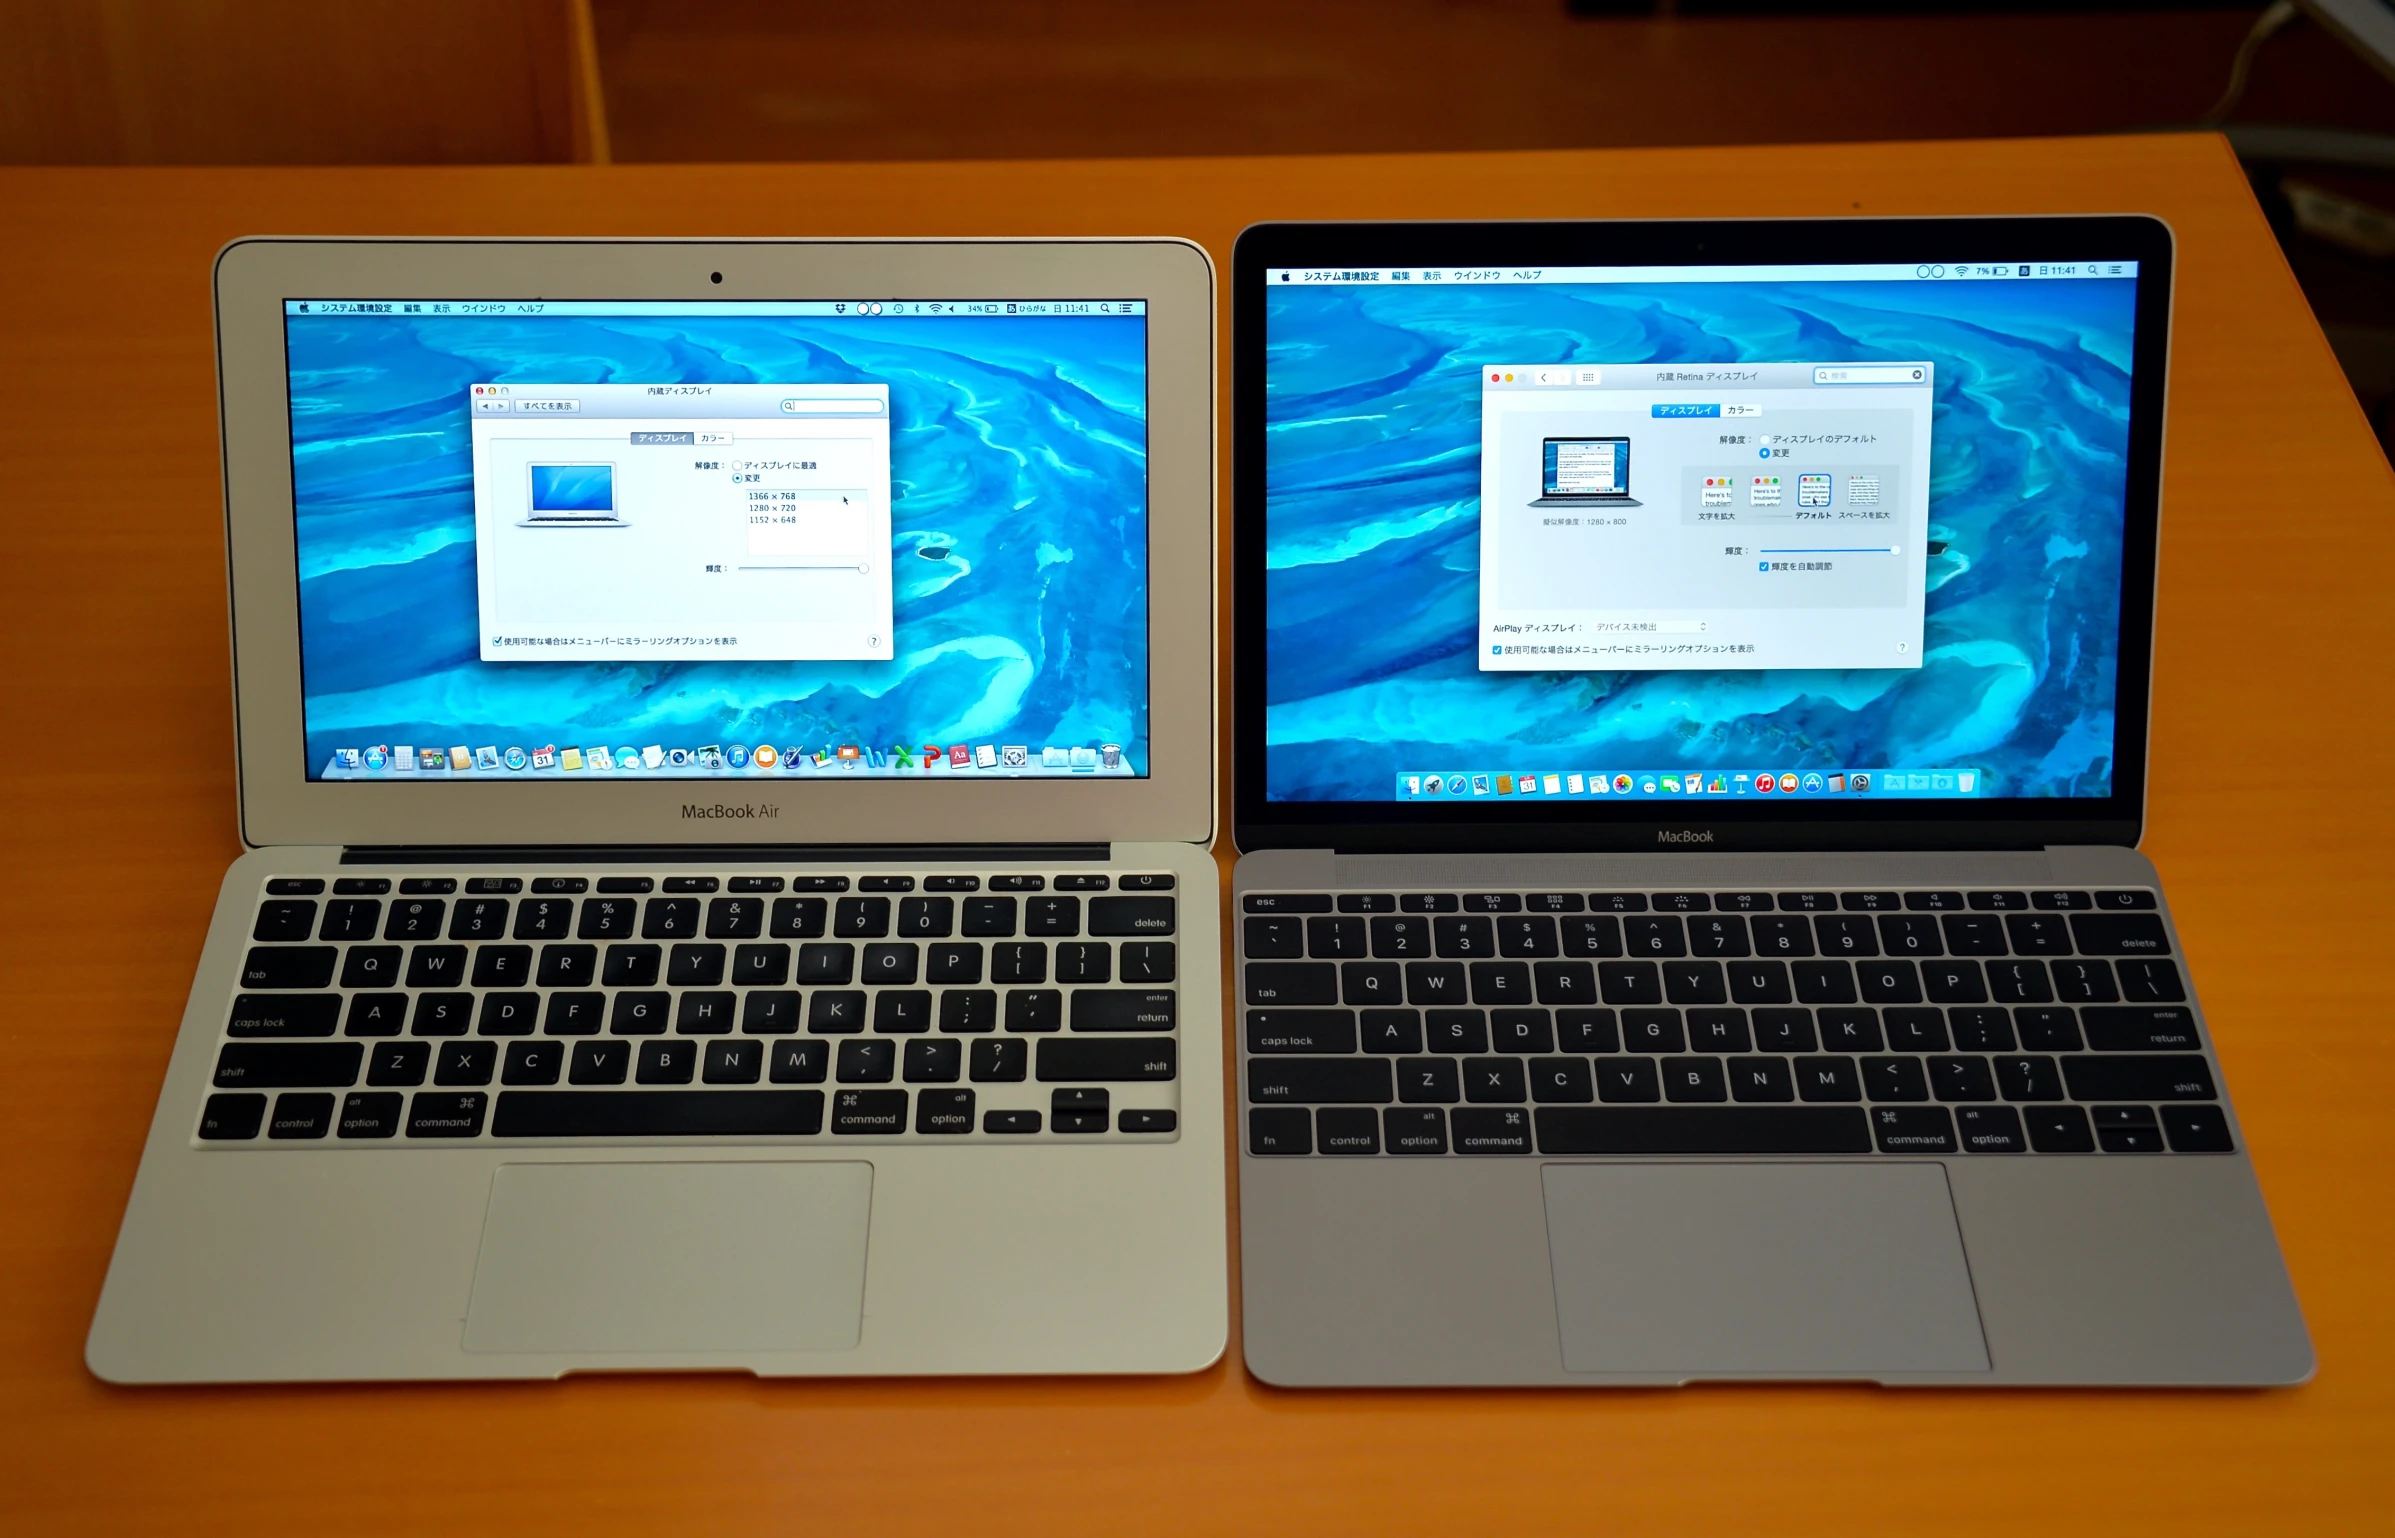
column 715, row 854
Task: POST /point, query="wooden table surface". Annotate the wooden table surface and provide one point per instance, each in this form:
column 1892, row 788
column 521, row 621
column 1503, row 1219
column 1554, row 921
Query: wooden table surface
column 2272, row 769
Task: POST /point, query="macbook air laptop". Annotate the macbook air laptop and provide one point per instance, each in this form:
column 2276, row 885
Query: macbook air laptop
column 1579, row 472
column 1709, row 940
column 776, row 935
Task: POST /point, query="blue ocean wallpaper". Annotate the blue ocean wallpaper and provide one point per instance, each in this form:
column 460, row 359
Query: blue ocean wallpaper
column 1372, row 548
column 1019, row 520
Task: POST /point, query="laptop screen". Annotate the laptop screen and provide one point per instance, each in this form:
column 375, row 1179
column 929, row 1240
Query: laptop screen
column 542, row 540
column 1588, row 467
column 1875, row 552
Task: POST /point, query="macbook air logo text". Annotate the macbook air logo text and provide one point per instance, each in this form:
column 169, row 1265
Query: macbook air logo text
column 719, row 809
column 1683, row 835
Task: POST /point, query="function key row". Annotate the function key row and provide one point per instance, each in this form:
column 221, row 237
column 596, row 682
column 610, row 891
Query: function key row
column 556, row 886
column 288, row 919
column 1694, row 902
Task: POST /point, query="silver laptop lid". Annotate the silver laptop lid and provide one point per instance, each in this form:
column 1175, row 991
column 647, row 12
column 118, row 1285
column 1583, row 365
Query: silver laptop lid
column 1887, row 580
column 560, row 542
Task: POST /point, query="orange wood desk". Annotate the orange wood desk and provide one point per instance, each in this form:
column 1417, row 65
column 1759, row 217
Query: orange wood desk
column 2272, row 774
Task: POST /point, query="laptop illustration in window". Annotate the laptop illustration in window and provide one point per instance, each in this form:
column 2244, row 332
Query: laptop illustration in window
column 1580, row 472
column 573, row 495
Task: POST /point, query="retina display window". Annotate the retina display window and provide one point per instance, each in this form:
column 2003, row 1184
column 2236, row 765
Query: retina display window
column 549, row 540
column 1561, row 536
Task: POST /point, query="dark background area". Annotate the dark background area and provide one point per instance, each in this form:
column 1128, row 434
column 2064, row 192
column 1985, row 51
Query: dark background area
column 512, row 81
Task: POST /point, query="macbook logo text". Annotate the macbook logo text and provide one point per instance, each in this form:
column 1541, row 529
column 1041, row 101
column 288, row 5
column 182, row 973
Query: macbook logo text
column 721, row 809
column 1683, row 835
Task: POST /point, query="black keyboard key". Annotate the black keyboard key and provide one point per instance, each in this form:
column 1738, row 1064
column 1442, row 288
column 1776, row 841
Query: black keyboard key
column 833, row 962
column 1000, row 1060
column 1629, row 982
column 1586, row 1031
column 399, row 1062
column 927, row 918
column 691, row 883
column 2084, row 982
column 1851, row 1030
column 2058, row 1129
column 1285, row 902
column 907, row 883
column 735, row 918
column 289, row 966
column 1273, row 938
column 1727, row 1129
column 438, row 886
column 436, row 966
column 509, row 1014
column 574, row 1014
column 1291, row 1032
column 295, row 886
column 1990, row 1128
column 1385, row 1030
column 1561, row 1081
column 1457, row 1030
column 1981, row 1030
column 629, row 966
column 1691, row 1079
column 2120, row 934
column 1870, row 902
column 1628, row 1081
column 754, row 884
column 1889, row 982
column 800, row 1062
column 1913, row 1129
column 1526, row 934
column 1053, row 916
column 2146, row 1139
column 415, row 920
column 954, row 962
column 706, row 1013
column 666, row 1062
column 1695, row 982
column 1808, row 902
column 600, row 1062
column 2047, row 1030
column 1828, row 1079
column 366, row 1114
column 768, row 965
column 1662, row 935
column 1414, row 1130
column 1784, row 1030
column 1080, row 961
column 1653, row 1030
column 1394, row 938
column 1521, row 1031
column 799, row 918
column 1973, row 934
column 1593, row 935
column 1492, row 902
column 2150, row 981
column 2061, row 900
column 1895, row 1078
column 1784, row 935
column 1500, row 982
column 283, row 1015
column 502, row 966
column 1134, row 916
column 1146, row 961
column 837, row 1012
column 1842, row 934
column 1717, row 934
column 1760, row 1079
column 1425, row 902
column 1429, row 1081
column 1280, row 1129
column 1490, row 1130
column 447, row 1113
column 1933, row 902
column 670, row 918
column 867, row 1061
column 1494, row 1081
column 362, row 886
column 1824, row 982
column 943, row 1112
column 479, row 918
column 1961, row 1078
column 466, row 1062
column 1718, row 1031
column 376, row 1014
column 2019, row 982
column 1129, row 1060
column 933, row 1060
column 2197, row 1129
column 2152, row 1028
column 232, row 1118
column 1909, row 934
column 1347, row 1130
column 1617, row 902
column 968, row 1011
column 1997, row 902
column 2037, row 934
column 533, row 1062
column 1563, row 982
column 1464, row 937
column 1307, row 1081
column 288, row 1065
column 989, row 917
column 1291, row 982
column 641, row 1014
column 664, row 1113
column 2029, row 1078
column 1916, row 1030
column 894, row 963
column 1759, row 982
column 292, row 920
column 1743, row 902
column 568, row 966
column 627, row 884
column 902, row 1012
column 561, row 883
column 1123, row 1009
column 769, row 1013
column 353, row 920
column 2175, row 1077
column 1435, row 982
column 2124, row 900
column 1034, row 1009
column 861, row 918
column 1681, row 902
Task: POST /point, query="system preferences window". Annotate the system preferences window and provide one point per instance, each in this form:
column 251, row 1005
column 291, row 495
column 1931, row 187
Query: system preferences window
column 651, row 523
column 1742, row 515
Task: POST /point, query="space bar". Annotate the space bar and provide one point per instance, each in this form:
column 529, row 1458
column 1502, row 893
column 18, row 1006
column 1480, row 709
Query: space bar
column 658, row 1113
column 1702, row 1129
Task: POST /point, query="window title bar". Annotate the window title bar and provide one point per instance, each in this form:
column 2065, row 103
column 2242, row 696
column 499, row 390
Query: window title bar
column 1854, row 272
column 928, row 309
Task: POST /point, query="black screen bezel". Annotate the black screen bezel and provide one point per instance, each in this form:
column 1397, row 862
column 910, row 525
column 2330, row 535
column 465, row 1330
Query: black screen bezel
column 2008, row 822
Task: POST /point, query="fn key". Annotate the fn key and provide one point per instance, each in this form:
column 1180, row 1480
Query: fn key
column 1280, row 1129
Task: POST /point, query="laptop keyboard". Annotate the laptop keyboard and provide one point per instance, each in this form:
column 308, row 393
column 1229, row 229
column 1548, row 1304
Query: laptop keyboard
column 932, row 1008
column 1828, row 1022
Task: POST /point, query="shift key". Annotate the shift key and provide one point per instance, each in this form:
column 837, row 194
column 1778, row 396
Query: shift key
column 1319, row 1081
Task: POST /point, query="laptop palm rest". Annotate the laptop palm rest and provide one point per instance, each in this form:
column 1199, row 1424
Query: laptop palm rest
column 733, row 1257
column 1760, row 1270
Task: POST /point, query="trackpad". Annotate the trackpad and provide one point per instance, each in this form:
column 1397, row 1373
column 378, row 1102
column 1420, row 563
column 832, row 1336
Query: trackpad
column 1748, row 1270
column 752, row 1256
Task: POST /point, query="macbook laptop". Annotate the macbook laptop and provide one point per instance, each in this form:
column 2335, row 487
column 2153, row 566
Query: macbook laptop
column 775, row 935
column 1585, row 471
column 1709, row 940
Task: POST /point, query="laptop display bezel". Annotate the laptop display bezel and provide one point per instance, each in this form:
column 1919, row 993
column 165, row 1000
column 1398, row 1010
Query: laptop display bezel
column 281, row 805
column 1858, row 823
